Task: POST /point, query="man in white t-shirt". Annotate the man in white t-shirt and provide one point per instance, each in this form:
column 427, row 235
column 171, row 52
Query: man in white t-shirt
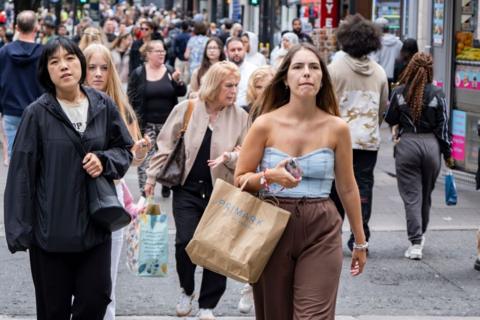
column 236, row 54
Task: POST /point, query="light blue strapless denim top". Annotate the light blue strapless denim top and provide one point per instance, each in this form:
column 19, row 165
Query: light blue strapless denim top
column 318, row 173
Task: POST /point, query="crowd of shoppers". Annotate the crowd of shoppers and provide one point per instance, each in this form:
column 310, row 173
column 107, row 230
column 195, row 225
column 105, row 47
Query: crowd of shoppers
column 250, row 115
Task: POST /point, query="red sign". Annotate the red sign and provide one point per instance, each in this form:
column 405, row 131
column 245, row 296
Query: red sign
column 328, row 14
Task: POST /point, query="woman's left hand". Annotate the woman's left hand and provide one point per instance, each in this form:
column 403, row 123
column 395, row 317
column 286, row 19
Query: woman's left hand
column 218, row 161
column 359, row 259
column 141, row 147
column 92, row 165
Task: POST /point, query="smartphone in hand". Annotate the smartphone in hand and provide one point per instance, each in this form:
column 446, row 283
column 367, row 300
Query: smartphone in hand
column 293, row 167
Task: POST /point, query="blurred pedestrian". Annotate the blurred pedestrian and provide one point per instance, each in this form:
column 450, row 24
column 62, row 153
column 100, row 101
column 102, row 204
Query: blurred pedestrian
column 147, row 33
column 390, row 49
column 18, row 84
column 409, row 48
column 299, row 120
column 196, row 46
column 91, row 35
column 179, row 47
column 102, row 75
column 121, row 56
column 297, row 29
column 69, row 253
column 153, row 91
column 215, row 129
column 289, row 39
column 213, row 53
column 257, row 83
column 236, row 53
column 420, row 111
column 361, row 88
column 250, row 43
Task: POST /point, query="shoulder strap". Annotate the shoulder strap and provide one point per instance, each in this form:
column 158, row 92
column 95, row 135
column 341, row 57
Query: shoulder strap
column 187, row 116
column 78, row 146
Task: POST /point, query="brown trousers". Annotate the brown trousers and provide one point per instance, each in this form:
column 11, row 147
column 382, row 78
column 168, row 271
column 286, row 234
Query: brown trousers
column 301, row 278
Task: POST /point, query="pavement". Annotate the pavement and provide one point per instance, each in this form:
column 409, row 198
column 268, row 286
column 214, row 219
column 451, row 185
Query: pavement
column 442, row 286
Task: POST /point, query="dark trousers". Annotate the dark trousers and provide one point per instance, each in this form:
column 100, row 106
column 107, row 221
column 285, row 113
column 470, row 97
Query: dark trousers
column 363, row 166
column 188, row 206
column 58, row 277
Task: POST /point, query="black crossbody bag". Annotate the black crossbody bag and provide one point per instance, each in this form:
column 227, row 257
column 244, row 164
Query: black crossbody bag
column 103, row 205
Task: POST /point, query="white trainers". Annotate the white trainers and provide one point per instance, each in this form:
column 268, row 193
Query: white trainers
column 414, row 252
column 184, row 305
column 246, row 300
column 206, row 314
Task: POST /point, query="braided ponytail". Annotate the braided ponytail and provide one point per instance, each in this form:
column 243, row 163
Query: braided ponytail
column 418, row 73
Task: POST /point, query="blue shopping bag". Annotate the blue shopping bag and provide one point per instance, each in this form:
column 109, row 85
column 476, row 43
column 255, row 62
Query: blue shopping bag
column 450, row 189
column 147, row 243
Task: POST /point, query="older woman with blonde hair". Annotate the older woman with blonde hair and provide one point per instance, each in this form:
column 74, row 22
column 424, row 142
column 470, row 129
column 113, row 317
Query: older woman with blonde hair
column 102, row 75
column 91, row 35
column 215, row 130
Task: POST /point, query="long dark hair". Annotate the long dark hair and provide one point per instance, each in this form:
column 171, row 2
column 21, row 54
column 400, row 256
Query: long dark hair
column 276, row 95
column 206, row 62
column 417, row 75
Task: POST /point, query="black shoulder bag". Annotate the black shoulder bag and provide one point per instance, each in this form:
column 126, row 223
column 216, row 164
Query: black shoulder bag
column 103, row 205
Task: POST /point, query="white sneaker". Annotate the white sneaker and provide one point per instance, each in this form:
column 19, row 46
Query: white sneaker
column 246, row 300
column 422, row 244
column 414, row 252
column 206, row 314
column 184, row 305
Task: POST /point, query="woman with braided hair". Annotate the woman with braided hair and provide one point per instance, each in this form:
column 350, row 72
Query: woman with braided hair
column 420, row 111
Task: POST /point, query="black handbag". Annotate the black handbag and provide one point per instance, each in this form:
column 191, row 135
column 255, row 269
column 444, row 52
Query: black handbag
column 103, row 205
column 171, row 174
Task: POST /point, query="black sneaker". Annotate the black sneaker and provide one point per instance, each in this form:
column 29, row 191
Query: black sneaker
column 477, row 264
column 165, row 192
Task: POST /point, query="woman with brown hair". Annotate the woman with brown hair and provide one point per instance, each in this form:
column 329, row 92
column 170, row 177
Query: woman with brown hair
column 300, row 123
column 420, row 111
column 213, row 53
column 91, row 35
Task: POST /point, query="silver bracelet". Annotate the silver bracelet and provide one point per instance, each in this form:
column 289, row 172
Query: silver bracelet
column 361, row 246
column 139, row 159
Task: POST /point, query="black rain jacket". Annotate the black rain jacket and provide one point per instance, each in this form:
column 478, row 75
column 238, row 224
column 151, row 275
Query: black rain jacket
column 45, row 201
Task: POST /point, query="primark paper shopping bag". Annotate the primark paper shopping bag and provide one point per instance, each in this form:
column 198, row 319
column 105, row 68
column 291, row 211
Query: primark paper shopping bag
column 237, row 233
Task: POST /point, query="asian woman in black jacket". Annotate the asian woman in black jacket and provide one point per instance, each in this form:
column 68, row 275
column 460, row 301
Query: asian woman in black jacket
column 46, row 205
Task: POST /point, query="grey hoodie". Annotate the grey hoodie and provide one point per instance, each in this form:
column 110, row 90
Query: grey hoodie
column 390, row 51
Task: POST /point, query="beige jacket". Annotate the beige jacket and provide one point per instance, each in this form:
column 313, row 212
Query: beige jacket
column 228, row 131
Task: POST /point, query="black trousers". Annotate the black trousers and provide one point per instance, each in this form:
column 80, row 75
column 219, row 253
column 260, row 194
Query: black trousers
column 363, row 166
column 58, row 277
column 189, row 202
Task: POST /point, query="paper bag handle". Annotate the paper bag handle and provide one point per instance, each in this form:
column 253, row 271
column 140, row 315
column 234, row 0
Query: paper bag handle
column 271, row 200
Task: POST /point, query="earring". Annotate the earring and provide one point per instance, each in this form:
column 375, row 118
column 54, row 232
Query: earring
column 286, row 86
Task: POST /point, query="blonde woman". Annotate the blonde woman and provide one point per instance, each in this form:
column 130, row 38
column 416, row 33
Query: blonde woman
column 216, row 128
column 257, row 82
column 102, row 75
column 91, row 35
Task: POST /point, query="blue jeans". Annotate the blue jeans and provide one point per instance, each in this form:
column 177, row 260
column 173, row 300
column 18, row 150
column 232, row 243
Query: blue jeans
column 10, row 125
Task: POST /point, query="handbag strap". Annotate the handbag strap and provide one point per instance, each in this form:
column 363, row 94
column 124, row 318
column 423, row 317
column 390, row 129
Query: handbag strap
column 187, row 116
column 76, row 143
